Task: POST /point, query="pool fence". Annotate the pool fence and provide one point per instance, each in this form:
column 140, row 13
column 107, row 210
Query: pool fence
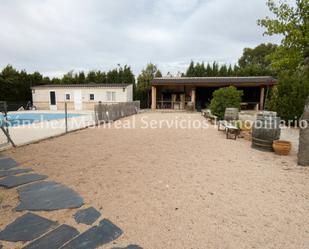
column 107, row 112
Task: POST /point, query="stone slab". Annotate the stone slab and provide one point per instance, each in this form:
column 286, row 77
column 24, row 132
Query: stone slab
column 26, row 228
column 14, row 181
column 95, row 236
column 11, row 172
column 129, row 247
column 54, row 239
column 87, row 216
column 7, row 163
column 47, row 196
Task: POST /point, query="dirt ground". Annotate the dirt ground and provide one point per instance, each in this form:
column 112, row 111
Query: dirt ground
column 175, row 188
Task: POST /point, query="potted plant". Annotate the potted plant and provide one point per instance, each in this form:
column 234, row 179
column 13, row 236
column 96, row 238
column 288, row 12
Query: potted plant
column 282, row 147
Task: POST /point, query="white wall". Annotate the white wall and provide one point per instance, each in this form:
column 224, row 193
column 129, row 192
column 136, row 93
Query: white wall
column 42, row 95
column 129, row 91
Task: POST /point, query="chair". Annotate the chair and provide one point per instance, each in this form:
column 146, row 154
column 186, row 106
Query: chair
column 229, row 122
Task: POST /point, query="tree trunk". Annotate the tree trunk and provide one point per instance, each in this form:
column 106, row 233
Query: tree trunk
column 303, row 150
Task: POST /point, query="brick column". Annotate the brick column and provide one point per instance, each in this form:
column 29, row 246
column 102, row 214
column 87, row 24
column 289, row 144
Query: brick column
column 262, row 94
column 153, row 97
column 193, row 97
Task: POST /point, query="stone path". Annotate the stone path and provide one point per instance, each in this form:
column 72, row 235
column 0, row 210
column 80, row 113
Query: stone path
column 129, row 247
column 7, row 163
column 42, row 233
column 55, row 238
column 14, row 181
column 47, row 196
column 26, row 228
column 13, row 172
column 95, row 236
column 87, row 216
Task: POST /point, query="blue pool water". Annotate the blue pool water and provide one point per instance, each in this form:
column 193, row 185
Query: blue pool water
column 29, row 118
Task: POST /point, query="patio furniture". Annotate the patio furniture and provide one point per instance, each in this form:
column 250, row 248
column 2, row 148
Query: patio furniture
column 206, row 113
column 232, row 130
column 229, row 123
column 229, row 128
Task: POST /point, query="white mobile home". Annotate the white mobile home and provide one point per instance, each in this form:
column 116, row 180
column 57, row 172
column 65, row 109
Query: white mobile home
column 79, row 96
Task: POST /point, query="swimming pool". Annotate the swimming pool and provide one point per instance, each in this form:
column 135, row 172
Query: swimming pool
column 15, row 119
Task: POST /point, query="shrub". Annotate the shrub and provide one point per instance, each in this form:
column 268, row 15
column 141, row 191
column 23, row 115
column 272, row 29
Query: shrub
column 227, row 97
column 289, row 96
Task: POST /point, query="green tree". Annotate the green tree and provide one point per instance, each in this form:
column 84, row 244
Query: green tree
column 91, row 76
column 288, row 98
column 56, row 81
column 256, row 61
column 81, row 78
column 68, row 78
column 291, row 57
column 191, row 70
column 158, row 74
column 128, row 76
column 143, row 87
column 230, row 71
column 112, row 76
column 292, row 22
column 209, row 70
column 227, row 97
column 223, row 70
column 15, row 85
column 215, row 69
column 199, row 70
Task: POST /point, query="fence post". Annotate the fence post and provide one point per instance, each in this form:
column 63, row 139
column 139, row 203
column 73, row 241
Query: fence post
column 4, row 126
column 66, row 116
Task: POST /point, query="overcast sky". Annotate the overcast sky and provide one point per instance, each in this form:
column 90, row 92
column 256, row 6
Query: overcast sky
column 55, row 36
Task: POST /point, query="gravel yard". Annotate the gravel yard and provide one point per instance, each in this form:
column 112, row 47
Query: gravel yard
column 172, row 187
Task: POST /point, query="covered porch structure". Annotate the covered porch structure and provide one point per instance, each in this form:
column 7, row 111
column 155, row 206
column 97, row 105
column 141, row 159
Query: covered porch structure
column 179, row 92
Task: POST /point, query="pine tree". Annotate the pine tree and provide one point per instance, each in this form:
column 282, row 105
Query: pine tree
column 223, row 70
column 191, row 70
column 81, row 77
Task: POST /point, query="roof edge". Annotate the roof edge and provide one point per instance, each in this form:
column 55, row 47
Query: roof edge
column 269, row 80
column 93, row 85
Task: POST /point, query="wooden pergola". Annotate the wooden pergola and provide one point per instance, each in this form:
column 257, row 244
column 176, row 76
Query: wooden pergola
column 182, row 90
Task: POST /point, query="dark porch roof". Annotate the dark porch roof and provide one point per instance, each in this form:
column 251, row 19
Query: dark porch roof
column 216, row 81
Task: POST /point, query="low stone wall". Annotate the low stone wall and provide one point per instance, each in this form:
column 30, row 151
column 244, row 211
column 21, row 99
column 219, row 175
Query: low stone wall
column 112, row 112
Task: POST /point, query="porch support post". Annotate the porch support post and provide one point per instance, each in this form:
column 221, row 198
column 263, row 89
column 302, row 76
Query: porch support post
column 193, row 97
column 262, row 98
column 153, row 97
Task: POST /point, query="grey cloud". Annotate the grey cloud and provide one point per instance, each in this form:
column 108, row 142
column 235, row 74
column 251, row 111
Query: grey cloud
column 55, row 36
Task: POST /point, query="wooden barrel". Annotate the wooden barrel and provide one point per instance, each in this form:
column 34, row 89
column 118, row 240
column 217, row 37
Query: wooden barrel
column 231, row 114
column 265, row 130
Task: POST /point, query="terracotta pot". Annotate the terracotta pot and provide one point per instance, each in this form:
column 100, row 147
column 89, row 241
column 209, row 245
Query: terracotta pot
column 282, row 147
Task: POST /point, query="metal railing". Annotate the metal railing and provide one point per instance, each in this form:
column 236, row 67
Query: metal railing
column 177, row 105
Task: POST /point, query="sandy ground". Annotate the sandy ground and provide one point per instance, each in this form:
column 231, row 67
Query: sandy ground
column 175, row 188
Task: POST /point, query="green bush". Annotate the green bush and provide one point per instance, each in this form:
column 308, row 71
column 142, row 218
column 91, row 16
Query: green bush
column 227, row 97
column 289, row 96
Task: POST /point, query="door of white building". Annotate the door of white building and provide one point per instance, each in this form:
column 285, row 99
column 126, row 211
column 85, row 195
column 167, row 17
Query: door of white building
column 78, row 101
column 52, row 101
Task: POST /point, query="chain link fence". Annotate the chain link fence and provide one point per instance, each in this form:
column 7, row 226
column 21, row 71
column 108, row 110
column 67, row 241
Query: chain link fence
column 106, row 112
